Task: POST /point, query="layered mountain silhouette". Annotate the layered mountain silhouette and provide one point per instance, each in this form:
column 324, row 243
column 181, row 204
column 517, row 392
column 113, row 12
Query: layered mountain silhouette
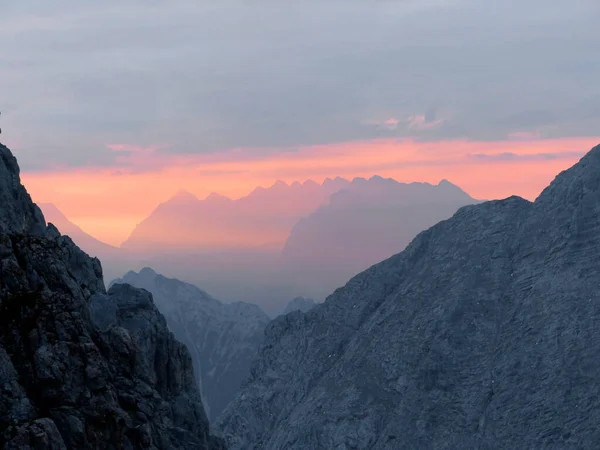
column 86, row 242
column 223, row 339
column 326, row 234
column 81, row 367
column 365, row 222
column 483, row 333
column 263, row 218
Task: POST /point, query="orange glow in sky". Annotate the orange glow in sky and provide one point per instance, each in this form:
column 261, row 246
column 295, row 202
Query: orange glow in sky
column 108, row 202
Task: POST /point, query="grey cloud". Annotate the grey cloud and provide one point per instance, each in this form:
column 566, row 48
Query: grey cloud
column 510, row 156
column 207, row 76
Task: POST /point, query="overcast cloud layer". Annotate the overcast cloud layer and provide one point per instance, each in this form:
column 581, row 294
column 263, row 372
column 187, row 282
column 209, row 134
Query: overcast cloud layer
column 204, row 76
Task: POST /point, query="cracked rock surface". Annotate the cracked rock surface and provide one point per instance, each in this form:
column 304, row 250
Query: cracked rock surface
column 81, row 367
column 484, row 333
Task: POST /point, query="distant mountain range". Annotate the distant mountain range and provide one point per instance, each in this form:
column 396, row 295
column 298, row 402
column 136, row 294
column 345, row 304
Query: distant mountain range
column 262, row 218
column 365, row 222
column 285, row 241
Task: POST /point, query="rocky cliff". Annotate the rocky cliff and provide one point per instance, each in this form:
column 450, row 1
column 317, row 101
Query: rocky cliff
column 483, row 333
column 81, row 367
column 223, row 338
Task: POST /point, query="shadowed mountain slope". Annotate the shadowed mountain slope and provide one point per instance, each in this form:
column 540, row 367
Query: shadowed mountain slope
column 223, row 338
column 81, row 367
column 483, row 333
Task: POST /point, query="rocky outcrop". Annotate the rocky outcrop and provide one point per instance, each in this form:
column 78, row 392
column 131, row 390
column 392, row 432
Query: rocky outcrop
column 81, row 367
column 223, row 338
column 299, row 304
column 483, row 333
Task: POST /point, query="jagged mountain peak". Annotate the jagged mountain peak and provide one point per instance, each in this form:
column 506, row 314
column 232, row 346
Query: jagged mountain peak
column 279, row 184
column 445, row 183
column 469, row 338
column 378, row 179
column 359, row 180
column 183, row 196
column 581, row 179
column 144, row 272
column 310, row 183
column 214, row 198
column 334, row 182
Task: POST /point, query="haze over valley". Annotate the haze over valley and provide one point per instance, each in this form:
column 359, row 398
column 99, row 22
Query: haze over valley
column 278, row 243
column 334, row 224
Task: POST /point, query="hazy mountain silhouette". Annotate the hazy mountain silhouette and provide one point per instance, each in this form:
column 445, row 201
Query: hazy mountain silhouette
column 348, row 225
column 86, row 242
column 115, row 260
column 363, row 223
column 263, row 218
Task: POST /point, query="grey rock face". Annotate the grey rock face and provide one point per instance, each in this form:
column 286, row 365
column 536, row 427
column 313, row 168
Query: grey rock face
column 223, row 339
column 19, row 213
column 299, row 304
column 73, row 375
column 484, row 333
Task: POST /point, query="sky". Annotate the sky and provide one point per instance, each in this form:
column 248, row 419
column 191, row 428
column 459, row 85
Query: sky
column 111, row 107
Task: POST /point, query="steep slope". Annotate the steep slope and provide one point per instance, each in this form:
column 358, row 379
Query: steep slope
column 365, row 222
column 86, row 242
column 264, row 217
column 223, row 339
column 299, row 304
column 79, row 367
column 483, row 333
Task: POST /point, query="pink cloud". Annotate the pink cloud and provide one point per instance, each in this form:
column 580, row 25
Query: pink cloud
column 388, row 124
column 391, row 123
column 418, row 122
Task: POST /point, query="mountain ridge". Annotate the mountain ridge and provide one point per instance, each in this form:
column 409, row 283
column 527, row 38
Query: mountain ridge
column 359, row 226
column 275, row 208
column 480, row 334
